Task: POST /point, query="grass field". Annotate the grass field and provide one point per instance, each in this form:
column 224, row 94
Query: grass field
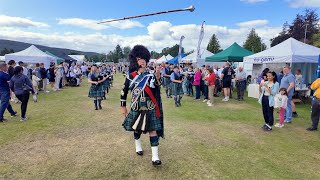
column 65, row 138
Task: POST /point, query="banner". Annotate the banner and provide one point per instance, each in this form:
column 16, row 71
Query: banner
column 199, row 42
column 180, row 49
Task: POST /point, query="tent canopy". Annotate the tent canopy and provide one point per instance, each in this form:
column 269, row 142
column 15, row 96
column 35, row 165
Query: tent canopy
column 175, row 60
column 169, row 57
column 192, row 58
column 79, row 58
column 161, row 60
column 59, row 60
column 289, row 51
column 31, row 55
column 2, row 59
column 234, row 53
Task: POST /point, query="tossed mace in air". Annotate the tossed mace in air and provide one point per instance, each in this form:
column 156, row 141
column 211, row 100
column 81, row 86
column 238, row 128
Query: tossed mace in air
column 191, row 9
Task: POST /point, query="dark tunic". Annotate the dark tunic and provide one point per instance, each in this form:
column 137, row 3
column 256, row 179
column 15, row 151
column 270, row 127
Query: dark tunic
column 142, row 117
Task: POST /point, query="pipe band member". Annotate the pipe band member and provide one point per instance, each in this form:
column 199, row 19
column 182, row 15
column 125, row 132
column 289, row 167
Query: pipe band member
column 145, row 114
column 96, row 89
column 177, row 91
column 166, row 72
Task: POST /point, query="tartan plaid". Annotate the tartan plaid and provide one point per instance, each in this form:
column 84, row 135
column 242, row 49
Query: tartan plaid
column 96, row 91
column 166, row 82
column 177, row 89
column 105, row 84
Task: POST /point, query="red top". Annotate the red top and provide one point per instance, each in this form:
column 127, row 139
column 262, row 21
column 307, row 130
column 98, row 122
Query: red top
column 212, row 79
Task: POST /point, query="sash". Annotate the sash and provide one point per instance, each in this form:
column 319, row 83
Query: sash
column 149, row 92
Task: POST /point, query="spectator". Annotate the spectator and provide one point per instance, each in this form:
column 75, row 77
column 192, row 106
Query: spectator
column 25, row 70
column 12, row 64
column 315, row 114
column 21, row 86
column 241, row 83
column 35, row 82
column 38, row 74
column 196, row 83
column 52, row 76
column 288, row 83
column 43, row 76
column 263, row 76
column 268, row 90
column 226, row 76
column 190, row 78
column 217, row 84
column 5, row 93
column 205, row 88
column 211, row 79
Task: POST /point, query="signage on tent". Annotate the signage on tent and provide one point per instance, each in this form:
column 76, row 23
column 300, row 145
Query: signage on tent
column 264, row 59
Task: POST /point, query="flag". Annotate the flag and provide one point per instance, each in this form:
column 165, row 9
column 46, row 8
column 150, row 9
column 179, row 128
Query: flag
column 199, row 42
column 180, row 49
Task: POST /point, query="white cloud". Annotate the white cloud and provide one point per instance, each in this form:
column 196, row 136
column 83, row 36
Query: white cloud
column 160, row 35
column 304, row 3
column 11, row 21
column 93, row 24
column 253, row 1
column 253, row 23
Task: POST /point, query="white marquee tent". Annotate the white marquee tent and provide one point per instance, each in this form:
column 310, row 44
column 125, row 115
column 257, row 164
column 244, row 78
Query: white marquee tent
column 169, row 57
column 31, row 55
column 80, row 58
column 2, row 59
column 192, row 58
column 161, row 60
column 299, row 55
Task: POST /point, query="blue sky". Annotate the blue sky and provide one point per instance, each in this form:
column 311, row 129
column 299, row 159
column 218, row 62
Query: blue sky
column 72, row 23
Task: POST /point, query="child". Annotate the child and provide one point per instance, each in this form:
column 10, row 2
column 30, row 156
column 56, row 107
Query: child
column 35, row 82
column 283, row 99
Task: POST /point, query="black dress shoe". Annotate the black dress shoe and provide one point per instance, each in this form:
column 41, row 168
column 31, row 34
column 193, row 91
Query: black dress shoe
column 312, row 129
column 156, row 163
column 140, row 153
column 100, row 107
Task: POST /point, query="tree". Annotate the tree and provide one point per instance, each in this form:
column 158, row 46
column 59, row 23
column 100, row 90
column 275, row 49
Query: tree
column 214, row 45
column 4, row 52
column 126, row 51
column 254, row 42
column 303, row 26
column 155, row 55
column 11, row 51
column 118, row 53
column 315, row 40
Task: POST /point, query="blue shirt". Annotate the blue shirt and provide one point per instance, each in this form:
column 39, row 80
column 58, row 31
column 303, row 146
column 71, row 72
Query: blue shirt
column 172, row 76
column 285, row 82
column 4, row 78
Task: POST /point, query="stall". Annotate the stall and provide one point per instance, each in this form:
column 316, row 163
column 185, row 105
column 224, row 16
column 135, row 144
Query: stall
column 299, row 55
column 31, row 55
column 198, row 62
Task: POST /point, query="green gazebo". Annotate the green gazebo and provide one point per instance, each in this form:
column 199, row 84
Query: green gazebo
column 234, row 53
column 59, row 59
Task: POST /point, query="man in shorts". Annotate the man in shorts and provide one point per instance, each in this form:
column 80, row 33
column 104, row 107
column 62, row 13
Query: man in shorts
column 226, row 77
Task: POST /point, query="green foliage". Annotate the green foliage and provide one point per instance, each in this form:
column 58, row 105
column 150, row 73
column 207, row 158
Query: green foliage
column 214, row 45
column 4, row 52
column 254, row 42
column 126, row 51
column 315, row 40
column 307, row 23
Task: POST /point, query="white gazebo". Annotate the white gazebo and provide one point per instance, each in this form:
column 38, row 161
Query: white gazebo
column 299, row 55
column 31, row 55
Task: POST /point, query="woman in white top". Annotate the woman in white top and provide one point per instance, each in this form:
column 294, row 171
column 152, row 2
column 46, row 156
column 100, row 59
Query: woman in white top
column 268, row 90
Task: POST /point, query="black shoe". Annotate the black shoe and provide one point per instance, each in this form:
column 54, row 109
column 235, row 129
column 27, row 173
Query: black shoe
column 96, row 108
column 177, row 105
column 312, row 129
column 156, row 163
column 100, row 107
column 215, row 95
column 140, row 153
column 14, row 115
column 294, row 115
column 264, row 126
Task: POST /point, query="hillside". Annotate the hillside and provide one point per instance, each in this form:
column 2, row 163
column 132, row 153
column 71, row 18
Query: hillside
column 18, row 46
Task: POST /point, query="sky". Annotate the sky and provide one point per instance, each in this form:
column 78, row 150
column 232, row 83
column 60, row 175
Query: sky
column 73, row 23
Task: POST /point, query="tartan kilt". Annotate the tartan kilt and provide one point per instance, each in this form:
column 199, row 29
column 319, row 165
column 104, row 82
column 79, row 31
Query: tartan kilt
column 105, row 84
column 177, row 89
column 156, row 124
column 96, row 91
column 166, row 82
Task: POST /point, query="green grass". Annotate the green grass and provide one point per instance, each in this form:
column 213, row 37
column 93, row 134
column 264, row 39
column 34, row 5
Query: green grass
column 65, row 138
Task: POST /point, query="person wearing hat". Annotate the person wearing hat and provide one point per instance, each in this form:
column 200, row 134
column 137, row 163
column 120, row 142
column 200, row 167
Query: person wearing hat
column 145, row 115
column 166, row 72
column 5, row 92
column 177, row 90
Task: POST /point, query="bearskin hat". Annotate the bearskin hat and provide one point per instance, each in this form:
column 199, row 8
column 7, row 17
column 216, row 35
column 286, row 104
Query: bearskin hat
column 138, row 51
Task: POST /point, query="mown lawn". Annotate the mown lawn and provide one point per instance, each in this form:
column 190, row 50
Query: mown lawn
column 65, row 138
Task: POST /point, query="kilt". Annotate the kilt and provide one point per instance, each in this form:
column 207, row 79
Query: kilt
column 105, row 84
column 96, row 91
column 153, row 123
column 177, row 89
column 166, row 82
